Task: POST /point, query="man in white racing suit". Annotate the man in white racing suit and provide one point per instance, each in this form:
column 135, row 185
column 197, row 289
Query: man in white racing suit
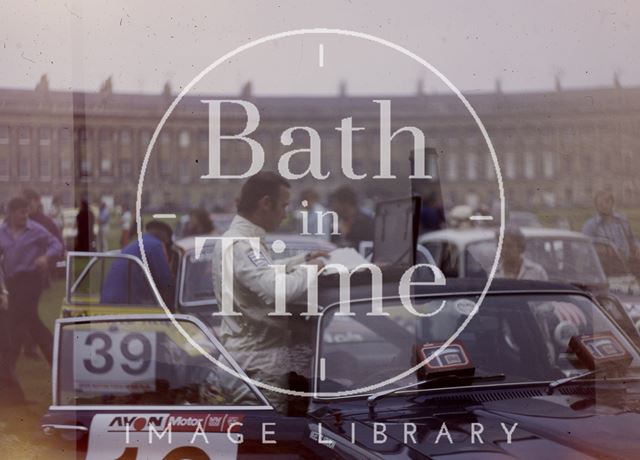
column 257, row 341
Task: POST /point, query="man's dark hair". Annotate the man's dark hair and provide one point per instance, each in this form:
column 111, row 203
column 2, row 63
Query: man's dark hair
column 17, row 203
column 344, row 195
column 516, row 234
column 203, row 218
column 600, row 194
column 30, row 194
column 160, row 230
column 264, row 183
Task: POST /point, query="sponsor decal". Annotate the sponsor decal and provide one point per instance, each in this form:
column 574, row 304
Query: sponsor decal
column 165, row 435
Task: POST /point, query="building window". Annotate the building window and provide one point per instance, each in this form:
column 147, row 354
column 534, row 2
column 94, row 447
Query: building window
column 529, row 165
column 203, row 138
column 4, row 135
column 472, row 166
column 44, row 136
column 490, row 170
column 432, row 166
column 185, row 171
column 105, row 166
column 627, row 161
column 567, row 162
column 64, row 144
column 164, row 154
column 126, row 168
column 83, row 153
column 145, row 138
column 4, row 166
column 548, row 165
column 105, row 149
column 510, row 165
column 5, row 153
column 165, row 138
column 184, row 139
column 24, row 153
column 44, row 153
column 125, row 137
column 452, row 168
column 587, row 162
column 65, row 167
column 85, row 167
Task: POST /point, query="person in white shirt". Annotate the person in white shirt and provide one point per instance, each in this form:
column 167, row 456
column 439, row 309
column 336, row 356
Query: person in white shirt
column 513, row 261
column 258, row 342
column 514, row 264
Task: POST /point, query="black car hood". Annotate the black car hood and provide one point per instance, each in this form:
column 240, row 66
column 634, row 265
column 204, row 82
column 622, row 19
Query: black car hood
column 600, row 425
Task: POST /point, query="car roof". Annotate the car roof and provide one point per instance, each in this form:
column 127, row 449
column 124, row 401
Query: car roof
column 454, row 286
column 466, row 236
column 295, row 240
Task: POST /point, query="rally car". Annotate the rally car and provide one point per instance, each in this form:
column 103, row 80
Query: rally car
column 521, row 380
column 86, row 273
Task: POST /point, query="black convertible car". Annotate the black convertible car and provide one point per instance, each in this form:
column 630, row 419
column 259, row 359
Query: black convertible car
column 538, row 371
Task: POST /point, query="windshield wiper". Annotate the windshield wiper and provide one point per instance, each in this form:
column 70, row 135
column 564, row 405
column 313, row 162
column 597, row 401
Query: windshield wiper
column 565, row 380
column 374, row 398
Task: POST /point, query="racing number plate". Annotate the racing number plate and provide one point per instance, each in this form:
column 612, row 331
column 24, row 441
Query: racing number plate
column 167, row 436
column 114, row 361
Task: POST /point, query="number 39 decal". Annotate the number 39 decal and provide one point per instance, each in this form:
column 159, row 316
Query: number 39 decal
column 113, row 361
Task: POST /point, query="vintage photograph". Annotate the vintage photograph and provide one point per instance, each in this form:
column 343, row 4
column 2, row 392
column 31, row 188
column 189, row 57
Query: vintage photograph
column 319, row 230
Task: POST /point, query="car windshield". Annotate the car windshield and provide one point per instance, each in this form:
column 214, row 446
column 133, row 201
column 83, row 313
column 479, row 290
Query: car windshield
column 569, row 260
column 197, row 282
column 523, row 336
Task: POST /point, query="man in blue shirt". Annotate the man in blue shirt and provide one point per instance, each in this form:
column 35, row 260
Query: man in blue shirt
column 26, row 248
column 126, row 283
column 612, row 226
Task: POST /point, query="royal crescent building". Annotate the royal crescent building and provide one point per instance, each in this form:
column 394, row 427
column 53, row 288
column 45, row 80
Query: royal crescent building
column 555, row 148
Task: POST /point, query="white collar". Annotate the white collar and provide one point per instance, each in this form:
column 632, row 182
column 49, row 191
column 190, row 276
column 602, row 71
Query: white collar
column 244, row 227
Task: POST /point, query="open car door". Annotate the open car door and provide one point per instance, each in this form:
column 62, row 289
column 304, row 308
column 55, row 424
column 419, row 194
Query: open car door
column 105, row 284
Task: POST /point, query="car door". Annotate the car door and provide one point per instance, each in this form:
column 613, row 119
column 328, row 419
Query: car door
column 145, row 386
column 107, row 283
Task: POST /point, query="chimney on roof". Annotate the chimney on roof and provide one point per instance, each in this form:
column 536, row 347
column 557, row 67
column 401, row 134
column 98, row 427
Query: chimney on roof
column 342, row 88
column 106, row 88
column 558, row 84
column 498, row 85
column 166, row 90
column 247, row 90
column 43, row 84
column 616, row 81
column 420, row 87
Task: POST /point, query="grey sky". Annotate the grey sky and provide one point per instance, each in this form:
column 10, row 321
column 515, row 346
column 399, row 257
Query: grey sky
column 143, row 44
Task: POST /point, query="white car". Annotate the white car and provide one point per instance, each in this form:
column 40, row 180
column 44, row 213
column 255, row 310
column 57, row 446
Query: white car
column 565, row 255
